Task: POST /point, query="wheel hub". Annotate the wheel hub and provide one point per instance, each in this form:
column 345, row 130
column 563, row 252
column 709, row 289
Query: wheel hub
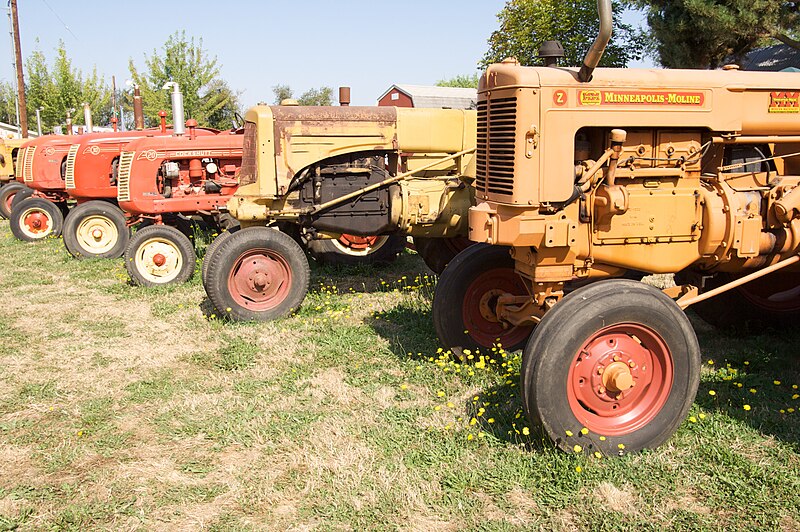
column 36, row 223
column 620, row 379
column 260, row 279
column 488, row 305
column 97, row 234
column 159, row 259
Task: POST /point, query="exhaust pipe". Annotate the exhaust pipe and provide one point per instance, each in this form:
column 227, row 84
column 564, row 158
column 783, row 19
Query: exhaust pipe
column 344, row 96
column 87, row 117
column 177, row 108
column 138, row 113
column 595, row 53
column 68, row 126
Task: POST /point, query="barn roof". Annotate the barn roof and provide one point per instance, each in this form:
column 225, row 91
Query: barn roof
column 437, row 97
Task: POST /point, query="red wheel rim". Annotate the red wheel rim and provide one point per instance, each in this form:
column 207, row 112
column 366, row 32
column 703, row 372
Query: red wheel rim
column 776, row 292
column 37, row 222
column 10, row 200
column 599, row 387
column 357, row 242
column 479, row 304
column 260, row 279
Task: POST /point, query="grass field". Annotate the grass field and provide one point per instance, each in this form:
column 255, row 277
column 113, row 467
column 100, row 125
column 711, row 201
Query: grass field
column 125, row 408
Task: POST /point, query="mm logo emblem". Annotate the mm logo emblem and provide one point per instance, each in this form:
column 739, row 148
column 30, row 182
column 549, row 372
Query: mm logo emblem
column 784, row 102
column 590, row 97
column 560, row 98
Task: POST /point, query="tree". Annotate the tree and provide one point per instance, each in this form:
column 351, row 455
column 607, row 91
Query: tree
column 206, row 97
column 467, row 81
column 526, row 24
column 709, row 33
column 320, row 96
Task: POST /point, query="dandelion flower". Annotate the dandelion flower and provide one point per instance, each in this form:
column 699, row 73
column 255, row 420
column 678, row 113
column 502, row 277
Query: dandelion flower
column 569, row 434
column 404, row 386
column 752, row 390
column 584, row 431
column 693, row 419
column 602, row 438
column 776, row 383
column 746, row 407
column 437, row 408
column 450, row 405
column 621, row 446
column 795, row 396
column 790, row 410
column 473, row 421
column 469, row 437
column 577, row 448
column 490, row 420
column 710, row 362
column 701, row 416
column 526, row 431
column 598, row 454
column 578, row 469
column 440, row 393
column 712, row 392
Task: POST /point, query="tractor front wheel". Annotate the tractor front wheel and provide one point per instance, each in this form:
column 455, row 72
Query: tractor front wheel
column 613, row 367
column 257, row 273
column 438, row 252
column 96, row 229
column 7, row 194
column 36, row 218
column 465, row 301
column 159, row 255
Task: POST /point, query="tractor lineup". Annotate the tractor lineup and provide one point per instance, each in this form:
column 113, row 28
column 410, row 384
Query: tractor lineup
column 541, row 211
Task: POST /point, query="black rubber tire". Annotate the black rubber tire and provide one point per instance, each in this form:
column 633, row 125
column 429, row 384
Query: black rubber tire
column 563, row 334
column 331, row 251
column 22, row 195
column 108, row 218
column 212, row 247
column 8, row 191
column 146, row 244
column 494, row 268
column 745, row 309
column 30, row 206
column 268, row 247
column 438, row 252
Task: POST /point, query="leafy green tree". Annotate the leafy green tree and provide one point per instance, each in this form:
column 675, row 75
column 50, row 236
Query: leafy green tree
column 282, row 92
column 708, row 33
column 206, row 97
column 62, row 86
column 8, row 108
column 320, row 96
column 467, row 81
column 526, row 24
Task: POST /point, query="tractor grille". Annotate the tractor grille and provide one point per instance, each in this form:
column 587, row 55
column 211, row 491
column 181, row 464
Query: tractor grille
column 69, row 173
column 27, row 164
column 497, row 126
column 248, row 173
column 124, row 176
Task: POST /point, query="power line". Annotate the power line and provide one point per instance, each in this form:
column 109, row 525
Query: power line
column 60, row 20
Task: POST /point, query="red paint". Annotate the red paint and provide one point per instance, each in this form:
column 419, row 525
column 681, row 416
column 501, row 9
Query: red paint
column 403, row 100
column 651, row 367
column 260, row 279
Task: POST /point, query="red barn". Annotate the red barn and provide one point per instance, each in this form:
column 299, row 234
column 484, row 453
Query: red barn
column 432, row 97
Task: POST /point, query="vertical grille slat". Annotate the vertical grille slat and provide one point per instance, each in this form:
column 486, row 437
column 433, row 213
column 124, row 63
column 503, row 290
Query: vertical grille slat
column 497, row 132
column 124, row 176
column 248, row 172
column 69, row 173
column 27, row 164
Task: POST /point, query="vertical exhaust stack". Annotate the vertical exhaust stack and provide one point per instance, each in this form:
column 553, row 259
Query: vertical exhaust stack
column 595, row 53
column 178, row 127
column 68, row 126
column 138, row 113
column 87, row 117
column 344, row 96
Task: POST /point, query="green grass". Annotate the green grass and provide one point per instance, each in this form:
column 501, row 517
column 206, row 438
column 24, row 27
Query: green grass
column 128, row 408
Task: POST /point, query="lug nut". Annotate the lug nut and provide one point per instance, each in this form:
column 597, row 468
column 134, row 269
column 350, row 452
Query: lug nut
column 600, row 370
column 602, row 390
column 632, row 364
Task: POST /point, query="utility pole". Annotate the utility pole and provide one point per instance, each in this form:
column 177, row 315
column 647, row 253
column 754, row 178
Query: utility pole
column 23, row 113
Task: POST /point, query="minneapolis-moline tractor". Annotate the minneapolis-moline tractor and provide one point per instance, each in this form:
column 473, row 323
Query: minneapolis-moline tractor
column 329, row 171
column 588, row 179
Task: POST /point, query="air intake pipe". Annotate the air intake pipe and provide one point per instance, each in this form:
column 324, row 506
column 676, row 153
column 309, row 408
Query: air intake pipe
column 177, row 108
column 595, row 53
column 87, row 117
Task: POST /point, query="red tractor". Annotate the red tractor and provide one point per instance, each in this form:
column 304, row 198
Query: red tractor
column 165, row 180
column 38, row 211
column 97, row 227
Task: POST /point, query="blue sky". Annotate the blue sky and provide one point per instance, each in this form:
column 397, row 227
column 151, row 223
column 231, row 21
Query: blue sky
column 368, row 45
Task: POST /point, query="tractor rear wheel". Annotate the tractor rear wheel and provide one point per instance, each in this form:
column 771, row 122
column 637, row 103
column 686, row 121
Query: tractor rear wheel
column 617, row 358
column 771, row 301
column 465, row 301
column 159, row 255
column 96, row 229
column 7, row 193
column 257, row 273
column 351, row 249
column 36, row 218
column 212, row 247
column 438, row 252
